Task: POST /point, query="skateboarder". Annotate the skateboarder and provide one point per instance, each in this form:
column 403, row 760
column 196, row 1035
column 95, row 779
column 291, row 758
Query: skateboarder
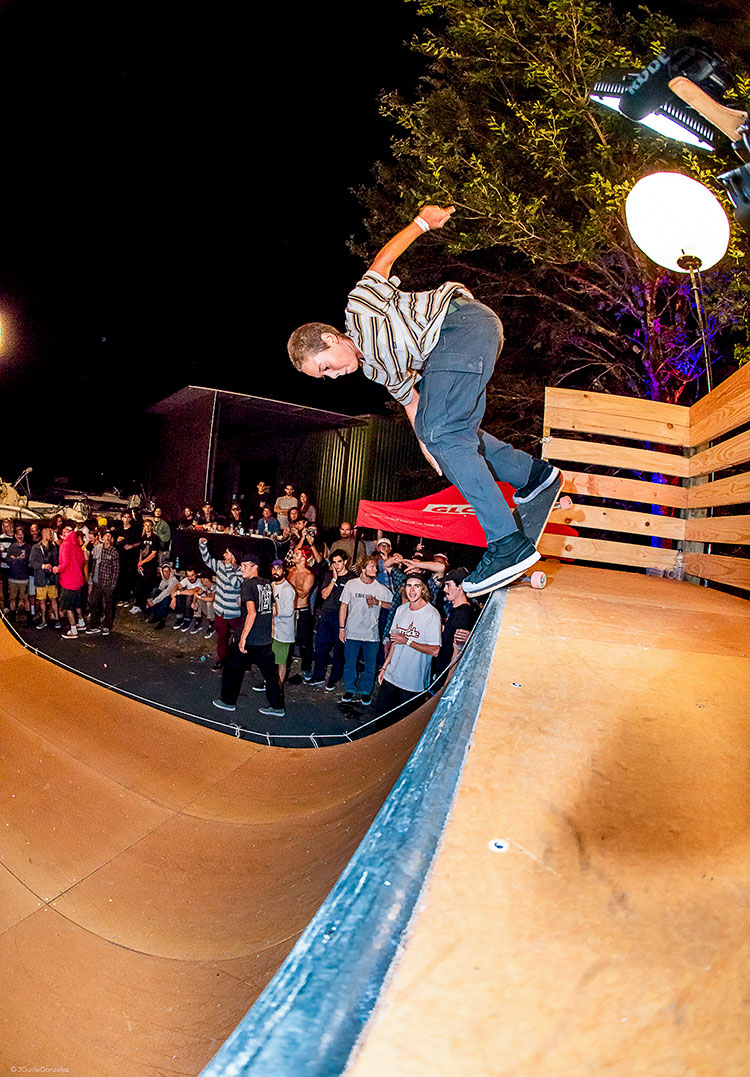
column 448, row 343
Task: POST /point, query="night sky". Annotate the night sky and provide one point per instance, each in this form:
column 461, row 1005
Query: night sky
column 176, row 191
column 176, row 199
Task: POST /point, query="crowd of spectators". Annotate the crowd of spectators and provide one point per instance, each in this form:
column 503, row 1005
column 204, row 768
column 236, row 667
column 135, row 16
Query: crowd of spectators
column 358, row 615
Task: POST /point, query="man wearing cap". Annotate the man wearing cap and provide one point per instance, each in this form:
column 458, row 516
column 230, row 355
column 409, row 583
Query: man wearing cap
column 461, row 620
column 254, row 645
column 227, row 611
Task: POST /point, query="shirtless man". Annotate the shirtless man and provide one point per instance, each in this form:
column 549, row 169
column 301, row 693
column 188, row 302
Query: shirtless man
column 303, row 581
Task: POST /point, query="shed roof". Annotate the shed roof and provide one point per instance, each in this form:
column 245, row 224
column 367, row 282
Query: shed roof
column 265, row 415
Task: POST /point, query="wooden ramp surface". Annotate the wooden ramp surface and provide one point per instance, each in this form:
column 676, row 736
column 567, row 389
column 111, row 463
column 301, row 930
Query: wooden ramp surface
column 589, row 908
column 154, row 874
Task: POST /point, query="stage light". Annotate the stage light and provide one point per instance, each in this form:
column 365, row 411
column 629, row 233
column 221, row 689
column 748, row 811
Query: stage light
column 672, row 119
column 677, row 222
column 646, row 96
column 737, row 185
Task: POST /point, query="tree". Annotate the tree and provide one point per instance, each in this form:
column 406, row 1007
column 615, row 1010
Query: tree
column 502, row 127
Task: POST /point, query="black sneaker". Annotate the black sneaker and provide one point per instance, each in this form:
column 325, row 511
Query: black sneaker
column 365, row 700
column 222, row 706
column 315, row 684
column 542, row 475
column 217, row 666
column 348, row 697
column 505, row 560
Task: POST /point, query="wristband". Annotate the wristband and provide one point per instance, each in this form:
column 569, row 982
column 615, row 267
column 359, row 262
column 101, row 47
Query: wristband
column 422, row 223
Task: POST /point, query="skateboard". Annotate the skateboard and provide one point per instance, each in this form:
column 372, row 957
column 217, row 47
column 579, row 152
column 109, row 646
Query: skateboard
column 532, row 518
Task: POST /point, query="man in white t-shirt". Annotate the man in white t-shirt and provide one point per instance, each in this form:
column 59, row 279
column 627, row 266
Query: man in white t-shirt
column 359, row 614
column 283, row 618
column 414, row 642
column 183, row 599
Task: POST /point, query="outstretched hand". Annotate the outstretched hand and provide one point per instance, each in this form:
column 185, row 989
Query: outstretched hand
column 436, row 216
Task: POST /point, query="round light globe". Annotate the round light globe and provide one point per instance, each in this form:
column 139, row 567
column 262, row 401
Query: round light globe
column 670, row 215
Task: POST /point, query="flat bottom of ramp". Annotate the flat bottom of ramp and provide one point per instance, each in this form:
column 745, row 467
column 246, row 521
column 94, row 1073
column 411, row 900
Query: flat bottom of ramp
column 588, row 908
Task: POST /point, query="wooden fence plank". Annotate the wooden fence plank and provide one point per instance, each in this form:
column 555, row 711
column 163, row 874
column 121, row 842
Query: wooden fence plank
column 727, row 529
column 723, row 409
column 610, row 553
column 588, row 484
column 734, row 571
column 729, row 453
column 617, row 416
column 618, row 456
column 621, row 520
column 734, row 490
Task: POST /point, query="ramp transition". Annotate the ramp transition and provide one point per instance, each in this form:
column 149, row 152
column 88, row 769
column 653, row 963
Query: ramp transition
column 154, row 875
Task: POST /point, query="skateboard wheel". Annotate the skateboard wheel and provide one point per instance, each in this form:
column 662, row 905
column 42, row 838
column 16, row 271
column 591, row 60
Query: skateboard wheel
column 538, row 580
column 566, row 502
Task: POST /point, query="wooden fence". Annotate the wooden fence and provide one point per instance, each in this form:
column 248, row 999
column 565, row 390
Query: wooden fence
column 663, row 483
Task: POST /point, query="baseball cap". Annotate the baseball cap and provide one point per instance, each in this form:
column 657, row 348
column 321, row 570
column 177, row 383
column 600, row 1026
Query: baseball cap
column 443, row 555
column 251, row 558
column 383, row 542
column 456, row 575
column 277, row 564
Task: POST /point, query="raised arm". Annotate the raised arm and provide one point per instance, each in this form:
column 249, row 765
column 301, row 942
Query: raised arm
column 431, row 216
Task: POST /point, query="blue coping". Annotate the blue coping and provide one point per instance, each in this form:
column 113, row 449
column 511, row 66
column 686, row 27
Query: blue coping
column 311, row 1014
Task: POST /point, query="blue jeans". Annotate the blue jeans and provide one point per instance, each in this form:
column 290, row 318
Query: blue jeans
column 369, row 651
column 452, row 398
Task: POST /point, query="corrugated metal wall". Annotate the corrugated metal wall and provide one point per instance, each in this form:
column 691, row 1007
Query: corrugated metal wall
column 335, row 467
column 361, row 462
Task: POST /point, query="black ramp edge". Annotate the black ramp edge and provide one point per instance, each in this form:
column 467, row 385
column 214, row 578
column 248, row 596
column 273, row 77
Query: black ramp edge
column 309, row 1018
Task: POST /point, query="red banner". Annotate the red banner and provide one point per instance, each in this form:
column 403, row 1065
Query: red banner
column 443, row 517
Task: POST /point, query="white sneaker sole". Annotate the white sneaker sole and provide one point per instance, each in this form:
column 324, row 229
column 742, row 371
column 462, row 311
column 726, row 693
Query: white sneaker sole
column 501, row 579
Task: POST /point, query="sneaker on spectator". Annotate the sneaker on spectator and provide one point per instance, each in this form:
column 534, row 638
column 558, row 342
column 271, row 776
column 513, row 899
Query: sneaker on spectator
column 178, row 623
column 124, row 602
column 307, row 677
column 222, row 706
column 72, row 633
column 210, row 632
column 136, row 609
column 80, row 623
column 331, row 687
column 348, row 697
column 315, row 684
column 365, row 700
column 274, row 712
column 95, row 631
column 58, row 624
column 41, row 624
column 105, row 631
column 187, row 626
column 195, row 629
column 217, row 666
column 257, row 687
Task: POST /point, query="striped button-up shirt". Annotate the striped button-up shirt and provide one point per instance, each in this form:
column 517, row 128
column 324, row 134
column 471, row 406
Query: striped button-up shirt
column 395, row 330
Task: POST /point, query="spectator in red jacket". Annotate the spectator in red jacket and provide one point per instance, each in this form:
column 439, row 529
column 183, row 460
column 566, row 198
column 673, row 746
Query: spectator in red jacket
column 72, row 580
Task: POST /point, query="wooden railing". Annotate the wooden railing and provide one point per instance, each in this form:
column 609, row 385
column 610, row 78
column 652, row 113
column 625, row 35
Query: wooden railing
column 662, row 482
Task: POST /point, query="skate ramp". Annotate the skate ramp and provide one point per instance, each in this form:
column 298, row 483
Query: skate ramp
column 576, row 900
column 588, row 909
column 154, row 874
